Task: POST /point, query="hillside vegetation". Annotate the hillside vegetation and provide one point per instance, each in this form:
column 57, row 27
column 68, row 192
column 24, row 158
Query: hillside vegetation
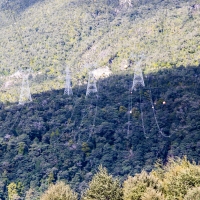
column 52, row 34
column 66, row 138
column 179, row 179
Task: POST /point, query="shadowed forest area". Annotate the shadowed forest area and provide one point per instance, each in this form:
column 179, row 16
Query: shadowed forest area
column 54, row 138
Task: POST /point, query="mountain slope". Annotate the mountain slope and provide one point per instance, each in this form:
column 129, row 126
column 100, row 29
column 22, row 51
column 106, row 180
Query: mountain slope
column 56, row 33
column 59, row 137
column 63, row 138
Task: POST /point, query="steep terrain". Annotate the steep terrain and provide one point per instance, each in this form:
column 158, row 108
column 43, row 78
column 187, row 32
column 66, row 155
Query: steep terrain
column 51, row 34
column 57, row 137
column 53, row 138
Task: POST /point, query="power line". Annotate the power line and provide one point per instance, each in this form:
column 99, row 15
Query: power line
column 142, row 116
column 155, row 117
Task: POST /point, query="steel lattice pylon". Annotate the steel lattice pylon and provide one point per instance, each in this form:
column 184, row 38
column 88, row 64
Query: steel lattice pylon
column 138, row 79
column 25, row 94
column 68, row 87
column 91, row 86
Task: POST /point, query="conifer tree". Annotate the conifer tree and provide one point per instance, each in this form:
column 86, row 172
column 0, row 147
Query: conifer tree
column 13, row 191
column 59, row 191
column 193, row 194
column 103, row 186
column 136, row 187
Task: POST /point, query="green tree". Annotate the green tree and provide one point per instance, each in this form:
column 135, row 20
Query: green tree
column 152, row 194
column 103, row 186
column 136, row 187
column 178, row 177
column 21, row 147
column 193, row 194
column 31, row 194
column 59, row 191
column 12, row 191
column 51, row 178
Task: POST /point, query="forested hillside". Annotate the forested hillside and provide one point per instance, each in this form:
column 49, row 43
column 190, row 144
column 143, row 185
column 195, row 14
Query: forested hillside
column 53, row 138
column 60, row 137
column 52, row 34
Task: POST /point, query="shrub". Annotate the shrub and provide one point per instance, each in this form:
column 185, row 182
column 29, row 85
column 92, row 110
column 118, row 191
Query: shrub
column 193, row 194
column 177, row 177
column 14, row 190
column 152, row 194
column 59, row 191
column 103, row 186
column 135, row 187
column 32, row 194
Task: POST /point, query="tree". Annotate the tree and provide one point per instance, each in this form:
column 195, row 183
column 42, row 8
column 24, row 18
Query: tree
column 152, row 194
column 59, row 191
column 13, row 191
column 193, row 194
column 136, row 187
column 31, row 194
column 178, row 177
column 103, row 186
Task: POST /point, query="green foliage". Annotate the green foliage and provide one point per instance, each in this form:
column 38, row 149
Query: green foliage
column 54, row 134
column 152, row 194
column 85, row 148
column 135, row 112
column 94, row 29
column 51, row 178
column 32, row 194
column 134, row 188
column 122, row 109
column 103, row 186
column 59, row 191
column 193, row 194
column 53, row 138
column 79, row 148
column 4, row 175
column 177, row 177
column 13, row 191
column 21, row 148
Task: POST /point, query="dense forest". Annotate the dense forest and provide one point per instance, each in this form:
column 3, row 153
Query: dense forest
column 49, row 35
column 57, row 137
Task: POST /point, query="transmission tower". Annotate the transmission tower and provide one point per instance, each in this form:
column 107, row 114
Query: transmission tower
column 138, row 76
column 91, row 86
column 25, row 94
column 68, row 87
